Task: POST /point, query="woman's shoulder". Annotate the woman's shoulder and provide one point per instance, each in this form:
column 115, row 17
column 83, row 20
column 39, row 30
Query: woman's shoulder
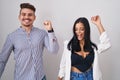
column 66, row 41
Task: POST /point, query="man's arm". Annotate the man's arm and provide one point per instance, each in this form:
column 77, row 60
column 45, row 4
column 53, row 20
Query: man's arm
column 4, row 54
column 50, row 40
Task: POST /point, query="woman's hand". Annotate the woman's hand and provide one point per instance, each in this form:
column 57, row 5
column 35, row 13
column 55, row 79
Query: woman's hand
column 59, row 78
column 97, row 21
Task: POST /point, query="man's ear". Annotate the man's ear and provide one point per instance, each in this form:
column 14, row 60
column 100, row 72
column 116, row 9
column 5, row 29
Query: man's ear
column 35, row 18
column 19, row 16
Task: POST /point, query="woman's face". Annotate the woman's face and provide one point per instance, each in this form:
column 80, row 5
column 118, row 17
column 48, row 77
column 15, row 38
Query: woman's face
column 80, row 31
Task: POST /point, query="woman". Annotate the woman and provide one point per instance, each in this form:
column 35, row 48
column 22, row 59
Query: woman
column 80, row 60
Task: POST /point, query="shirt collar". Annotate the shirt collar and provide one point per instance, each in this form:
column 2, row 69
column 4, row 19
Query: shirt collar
column 22, row 29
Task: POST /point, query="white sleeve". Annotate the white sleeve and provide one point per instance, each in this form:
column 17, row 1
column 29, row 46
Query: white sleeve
column 63, row 62
column 104, row 43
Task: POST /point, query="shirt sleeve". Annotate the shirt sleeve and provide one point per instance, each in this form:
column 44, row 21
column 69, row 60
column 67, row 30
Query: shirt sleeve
column 4, row 54
column 61, row 73
column 51, row 42
column 104, row 42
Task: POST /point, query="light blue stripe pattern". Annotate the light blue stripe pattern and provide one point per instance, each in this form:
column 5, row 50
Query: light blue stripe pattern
column 28, row 51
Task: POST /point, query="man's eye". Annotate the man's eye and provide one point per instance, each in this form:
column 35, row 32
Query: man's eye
column 30, row 14
column 23, row 14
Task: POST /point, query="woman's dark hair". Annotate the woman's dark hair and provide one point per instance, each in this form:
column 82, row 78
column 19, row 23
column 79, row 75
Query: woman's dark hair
column 73, row 44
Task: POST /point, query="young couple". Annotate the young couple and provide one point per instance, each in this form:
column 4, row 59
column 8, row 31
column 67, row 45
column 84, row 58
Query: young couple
column 80, row 55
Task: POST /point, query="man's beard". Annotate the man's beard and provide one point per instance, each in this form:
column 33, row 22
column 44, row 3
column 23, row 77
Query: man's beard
column 27, row 25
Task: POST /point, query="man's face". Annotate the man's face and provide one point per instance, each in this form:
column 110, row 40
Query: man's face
column 27, row 17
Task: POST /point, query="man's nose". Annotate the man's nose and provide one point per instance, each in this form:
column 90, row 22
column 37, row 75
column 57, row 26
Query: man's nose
column 26, row 16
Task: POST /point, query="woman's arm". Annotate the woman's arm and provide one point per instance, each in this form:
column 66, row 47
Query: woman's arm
column 61, row 73
column 104, row 39
column 97, row 21
column 59, row 78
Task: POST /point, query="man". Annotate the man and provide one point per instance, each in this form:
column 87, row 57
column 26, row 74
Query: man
column 27, row 43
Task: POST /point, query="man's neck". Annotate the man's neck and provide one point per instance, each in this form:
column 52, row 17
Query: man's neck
column 27, row 28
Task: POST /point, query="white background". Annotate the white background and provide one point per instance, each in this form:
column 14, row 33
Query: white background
column 63, row 13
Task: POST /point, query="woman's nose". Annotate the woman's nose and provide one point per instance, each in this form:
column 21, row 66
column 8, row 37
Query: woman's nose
column 79, row 31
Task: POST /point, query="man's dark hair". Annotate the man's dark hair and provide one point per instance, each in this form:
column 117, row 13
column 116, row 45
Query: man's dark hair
column 27, row 5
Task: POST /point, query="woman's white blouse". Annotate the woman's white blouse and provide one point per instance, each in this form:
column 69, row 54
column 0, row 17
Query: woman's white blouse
column 65, row 65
